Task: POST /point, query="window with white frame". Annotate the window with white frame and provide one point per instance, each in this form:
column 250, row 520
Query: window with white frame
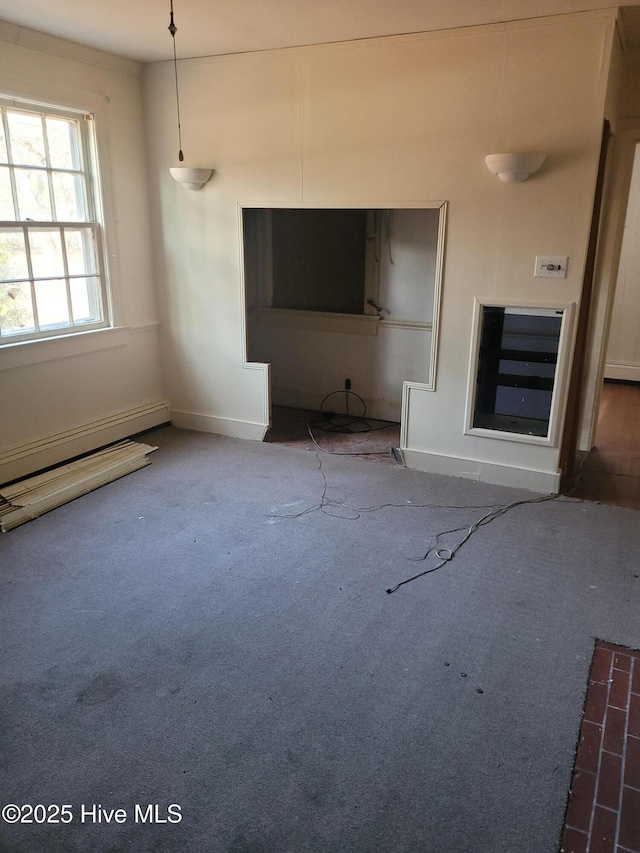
column 52, row 280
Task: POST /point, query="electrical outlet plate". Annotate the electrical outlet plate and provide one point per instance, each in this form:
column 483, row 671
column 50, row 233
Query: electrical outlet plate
column 550, row 266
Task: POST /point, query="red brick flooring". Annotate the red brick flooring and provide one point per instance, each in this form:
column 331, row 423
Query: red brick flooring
column 603, row 815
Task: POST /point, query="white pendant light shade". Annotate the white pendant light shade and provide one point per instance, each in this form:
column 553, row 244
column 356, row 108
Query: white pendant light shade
column 514, row 168
column 192, row 179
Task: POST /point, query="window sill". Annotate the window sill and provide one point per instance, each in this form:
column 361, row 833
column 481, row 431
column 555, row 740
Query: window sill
column 503, row 435
column 34, row 352
column 320, row 321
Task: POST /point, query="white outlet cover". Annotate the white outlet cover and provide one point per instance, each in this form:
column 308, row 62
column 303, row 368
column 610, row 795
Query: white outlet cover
column 551, row 266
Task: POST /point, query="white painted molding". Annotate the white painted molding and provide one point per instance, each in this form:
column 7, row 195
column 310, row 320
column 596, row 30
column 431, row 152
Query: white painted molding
column 49, row 349
column 220, row 426
column 390, row 323
column 265, row 369
column 561, row 379
column 38, row 40
column 625, row 370
column 145, row 327
column 320, row 321
column 546, row 482
column 23, row 459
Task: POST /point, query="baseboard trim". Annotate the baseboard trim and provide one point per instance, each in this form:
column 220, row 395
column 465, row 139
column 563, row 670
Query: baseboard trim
column 622, row 370
column 546, row 482
column 27, row 458
column 220, row 426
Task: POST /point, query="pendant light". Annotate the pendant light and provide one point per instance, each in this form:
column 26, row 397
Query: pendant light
column 191, row 178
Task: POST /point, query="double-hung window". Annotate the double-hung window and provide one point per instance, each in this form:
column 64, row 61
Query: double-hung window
column 52, row 280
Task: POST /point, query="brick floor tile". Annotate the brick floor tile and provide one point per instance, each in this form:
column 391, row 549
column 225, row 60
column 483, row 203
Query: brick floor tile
column 601, row 666
column 616, row 647
column 607, row 820
column 583, row 787
column 596, row 702
column 609, row 781
column 632, row 763
column 629, row 836
column 613, row 647
column 573, row 841
column 621, row 661
column 589, row 747
column 634, row 716
column 613, row 738
column 619, row 690
column 603, row 833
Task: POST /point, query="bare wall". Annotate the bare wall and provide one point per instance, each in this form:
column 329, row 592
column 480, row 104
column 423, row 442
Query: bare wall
column 64, row 396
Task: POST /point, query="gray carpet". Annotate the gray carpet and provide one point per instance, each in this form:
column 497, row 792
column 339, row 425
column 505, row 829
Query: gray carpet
column 168, row 640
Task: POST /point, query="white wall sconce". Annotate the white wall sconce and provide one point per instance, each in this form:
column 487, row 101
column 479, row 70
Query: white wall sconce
column 190, row 178
column 514, row 168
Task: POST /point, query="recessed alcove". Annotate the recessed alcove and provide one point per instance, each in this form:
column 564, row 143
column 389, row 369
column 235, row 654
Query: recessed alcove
column 517, row 366
column 342, row 292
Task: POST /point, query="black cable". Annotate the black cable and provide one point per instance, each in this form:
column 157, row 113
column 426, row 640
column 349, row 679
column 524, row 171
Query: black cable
column 347, row 423
column 494, row 513
column 347, row 393
column 490, row 516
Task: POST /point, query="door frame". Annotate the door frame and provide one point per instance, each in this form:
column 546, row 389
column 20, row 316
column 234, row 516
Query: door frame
column 625, row 136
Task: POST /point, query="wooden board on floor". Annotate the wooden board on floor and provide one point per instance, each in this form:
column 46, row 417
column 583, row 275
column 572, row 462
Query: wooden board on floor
column 32, row 497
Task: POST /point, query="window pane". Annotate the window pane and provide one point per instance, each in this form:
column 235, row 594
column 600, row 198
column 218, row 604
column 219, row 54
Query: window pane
column 68, row 191
column 27, row 140
column 33, row 195
column 81, row 251
column 51, row 299
column 46, row 253
column 3, row 142
column 13, row 256
column 50, row 276
column 64, row 148
column 6, row 199
column 16, row 311
column 85, row 300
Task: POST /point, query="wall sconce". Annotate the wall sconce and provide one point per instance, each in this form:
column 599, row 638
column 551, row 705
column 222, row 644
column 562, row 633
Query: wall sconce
column 514, row 168
column 192, row 179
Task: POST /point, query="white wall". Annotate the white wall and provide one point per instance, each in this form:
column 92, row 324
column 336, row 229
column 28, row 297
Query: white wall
column 623, row 351
column 62, row 397
column 405, row 118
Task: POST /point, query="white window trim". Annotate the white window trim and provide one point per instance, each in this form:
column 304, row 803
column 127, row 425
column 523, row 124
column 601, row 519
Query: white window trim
column 24, row 353
column 98, row 200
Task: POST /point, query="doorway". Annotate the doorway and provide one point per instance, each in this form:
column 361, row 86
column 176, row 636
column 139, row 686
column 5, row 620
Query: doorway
column 610, row 472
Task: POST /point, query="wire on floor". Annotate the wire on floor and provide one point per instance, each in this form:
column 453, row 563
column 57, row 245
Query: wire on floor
column 334, row 508
column 348, row 423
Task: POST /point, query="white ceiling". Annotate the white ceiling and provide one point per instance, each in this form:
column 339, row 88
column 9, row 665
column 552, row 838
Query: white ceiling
column 138, row 28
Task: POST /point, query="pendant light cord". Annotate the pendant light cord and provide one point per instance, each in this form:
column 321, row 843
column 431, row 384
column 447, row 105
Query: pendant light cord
column 173, row 30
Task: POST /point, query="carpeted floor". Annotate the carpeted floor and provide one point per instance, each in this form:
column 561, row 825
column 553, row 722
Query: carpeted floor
column 172, row 638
